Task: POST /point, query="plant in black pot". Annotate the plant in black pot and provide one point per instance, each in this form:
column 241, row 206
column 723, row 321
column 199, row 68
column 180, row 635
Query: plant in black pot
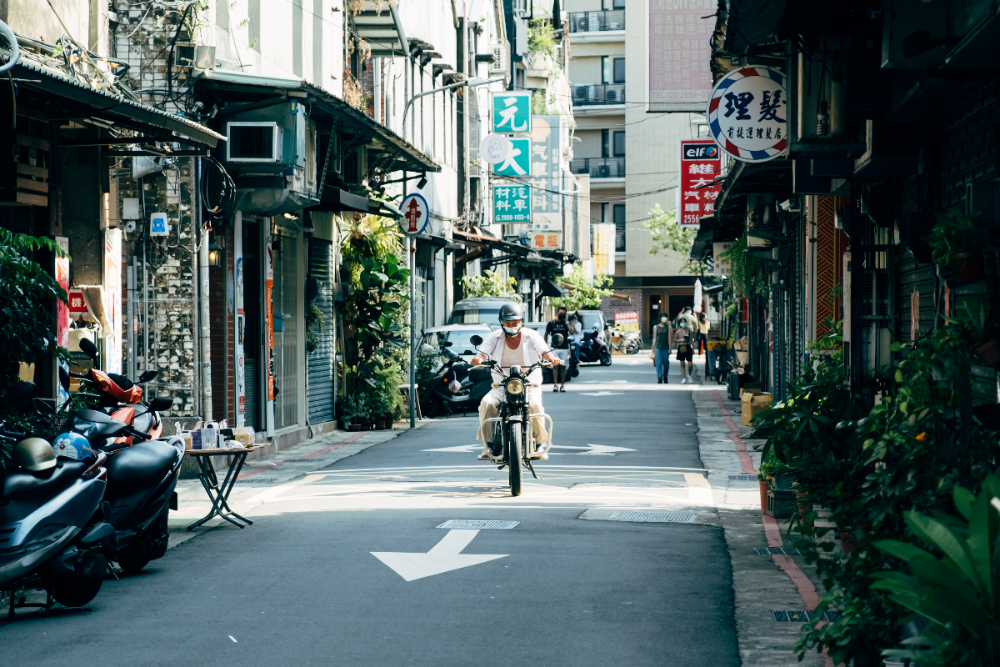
column 956, row 248
column 354, row 412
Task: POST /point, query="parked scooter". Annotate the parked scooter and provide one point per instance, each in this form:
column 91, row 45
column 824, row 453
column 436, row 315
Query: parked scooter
column 457, row 387
column 593, row 350
column 121, row 398
column 141, row 480
column 49, row 536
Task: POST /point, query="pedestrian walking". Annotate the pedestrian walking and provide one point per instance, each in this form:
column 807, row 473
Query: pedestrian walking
column 685, row 349
column 702, row 333
column 688, row 316
column 559, row 330
column 661, row 349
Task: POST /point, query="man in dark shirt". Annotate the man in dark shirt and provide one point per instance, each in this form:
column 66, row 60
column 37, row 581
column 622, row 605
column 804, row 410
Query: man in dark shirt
column 561, row 349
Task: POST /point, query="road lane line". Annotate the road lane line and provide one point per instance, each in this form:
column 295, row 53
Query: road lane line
column 482, row 467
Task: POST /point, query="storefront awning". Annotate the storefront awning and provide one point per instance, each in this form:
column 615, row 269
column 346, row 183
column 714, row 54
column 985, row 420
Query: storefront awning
column 103, row 104
column 396, row 153
column 751, row 23
column 551, row 288
column 335, row 200
column 381, row 28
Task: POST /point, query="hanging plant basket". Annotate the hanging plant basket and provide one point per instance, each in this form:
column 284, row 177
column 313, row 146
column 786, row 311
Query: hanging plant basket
column 965, row 268
column 989, row 352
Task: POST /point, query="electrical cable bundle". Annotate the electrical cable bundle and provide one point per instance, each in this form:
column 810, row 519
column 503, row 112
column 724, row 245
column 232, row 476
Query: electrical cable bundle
column 226, row 195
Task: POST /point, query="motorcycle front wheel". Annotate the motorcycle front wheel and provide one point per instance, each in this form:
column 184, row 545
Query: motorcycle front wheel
column 632, row 348
column 514, row 459
column 605, row 358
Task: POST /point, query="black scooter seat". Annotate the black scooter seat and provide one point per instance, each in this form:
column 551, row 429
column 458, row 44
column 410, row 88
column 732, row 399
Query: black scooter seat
column 142, row 464
column 47, row 484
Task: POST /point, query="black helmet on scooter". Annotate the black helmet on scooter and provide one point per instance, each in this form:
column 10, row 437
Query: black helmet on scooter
column 511, row 311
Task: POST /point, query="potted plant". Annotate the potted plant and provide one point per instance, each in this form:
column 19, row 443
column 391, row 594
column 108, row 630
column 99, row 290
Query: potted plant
column 354, row 412
column 383, row 396
column 955, row 248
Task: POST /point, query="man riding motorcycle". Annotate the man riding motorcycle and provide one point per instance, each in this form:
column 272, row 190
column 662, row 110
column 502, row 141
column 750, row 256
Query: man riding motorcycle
column 513, row 345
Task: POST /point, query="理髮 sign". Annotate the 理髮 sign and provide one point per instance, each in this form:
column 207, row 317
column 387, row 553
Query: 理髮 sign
column 748, row 114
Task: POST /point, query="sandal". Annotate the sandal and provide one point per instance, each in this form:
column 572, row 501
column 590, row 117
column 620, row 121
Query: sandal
column 555, row 387
column 562, row 389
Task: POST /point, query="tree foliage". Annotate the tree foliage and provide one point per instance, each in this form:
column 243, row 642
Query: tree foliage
column 668, row 236
column 582, row 292
column 490, row 283
column 27, row 296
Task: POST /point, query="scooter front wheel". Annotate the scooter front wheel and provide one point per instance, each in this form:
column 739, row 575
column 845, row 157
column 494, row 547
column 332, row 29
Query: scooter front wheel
column 605, row 358
column 514, row 459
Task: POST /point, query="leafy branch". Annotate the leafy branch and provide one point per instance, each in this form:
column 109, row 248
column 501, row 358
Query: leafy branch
column 670, row 237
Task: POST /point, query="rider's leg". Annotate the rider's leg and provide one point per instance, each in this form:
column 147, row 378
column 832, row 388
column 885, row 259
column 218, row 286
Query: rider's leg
column 489, row 408
column 539, row 433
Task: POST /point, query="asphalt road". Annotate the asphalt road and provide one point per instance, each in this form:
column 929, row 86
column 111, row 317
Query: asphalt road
column 567, row 585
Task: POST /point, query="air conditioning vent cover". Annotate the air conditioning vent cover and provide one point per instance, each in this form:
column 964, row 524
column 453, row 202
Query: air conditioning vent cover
column 253, row 142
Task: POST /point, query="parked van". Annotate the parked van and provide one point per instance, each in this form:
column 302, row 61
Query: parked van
column 477, row 310
column 588, row 318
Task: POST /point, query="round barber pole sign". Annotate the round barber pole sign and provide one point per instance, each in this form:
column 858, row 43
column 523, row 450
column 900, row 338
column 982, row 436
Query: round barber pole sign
column 748, row 114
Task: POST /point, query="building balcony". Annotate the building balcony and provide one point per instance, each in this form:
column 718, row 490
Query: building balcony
column 599, row 167
column 597, row 21
column 598, row 94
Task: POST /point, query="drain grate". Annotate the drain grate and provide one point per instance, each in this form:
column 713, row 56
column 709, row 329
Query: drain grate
column 718, row 414
column 799, row 616
column 258, row 480
column 743, row 478
column 777, row 551
column 478, row 524
column 654, row 517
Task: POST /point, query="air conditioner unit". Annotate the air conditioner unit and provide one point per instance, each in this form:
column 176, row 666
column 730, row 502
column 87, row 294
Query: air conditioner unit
column 603, row 171
column 501, row 58
column 611, row 95
column 355, row 166
column 253, row 142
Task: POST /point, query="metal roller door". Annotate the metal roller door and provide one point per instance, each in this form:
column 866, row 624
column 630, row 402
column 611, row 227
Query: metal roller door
column 320, row 360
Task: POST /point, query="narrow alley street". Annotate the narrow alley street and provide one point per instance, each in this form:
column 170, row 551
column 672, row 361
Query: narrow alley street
column 614, row 555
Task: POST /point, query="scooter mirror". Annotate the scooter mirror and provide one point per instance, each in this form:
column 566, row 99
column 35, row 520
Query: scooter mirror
column 161, row 404
column 21, row 391
column 448, row 343
column 476, row 340
column 64, row 378
column 146, row 377
column 88, row 348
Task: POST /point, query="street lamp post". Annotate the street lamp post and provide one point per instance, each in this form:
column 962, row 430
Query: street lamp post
column 411, row 260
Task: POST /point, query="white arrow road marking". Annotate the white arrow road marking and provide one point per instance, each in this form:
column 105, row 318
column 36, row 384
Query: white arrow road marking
column 603, row 393
column 595, row 450
column 460, row 448
column 444, row 557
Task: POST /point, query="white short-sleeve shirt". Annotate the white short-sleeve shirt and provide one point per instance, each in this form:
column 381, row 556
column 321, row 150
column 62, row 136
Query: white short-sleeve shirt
column 532, row 344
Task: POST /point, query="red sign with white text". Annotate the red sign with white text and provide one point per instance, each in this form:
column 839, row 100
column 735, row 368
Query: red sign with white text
column 701, row 162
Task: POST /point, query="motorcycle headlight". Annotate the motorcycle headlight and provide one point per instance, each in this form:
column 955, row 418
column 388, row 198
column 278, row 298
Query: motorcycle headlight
column 515, row 386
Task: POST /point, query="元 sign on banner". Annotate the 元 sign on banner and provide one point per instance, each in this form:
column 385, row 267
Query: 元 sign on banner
column 512, row 112
column 511, row 204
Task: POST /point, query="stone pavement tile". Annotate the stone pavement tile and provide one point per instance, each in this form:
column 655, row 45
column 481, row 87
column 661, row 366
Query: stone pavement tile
column 760, row 586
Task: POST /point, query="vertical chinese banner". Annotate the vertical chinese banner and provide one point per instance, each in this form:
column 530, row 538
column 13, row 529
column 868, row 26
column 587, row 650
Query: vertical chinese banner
column 62, row 316
column 546, row 156
column 701, row 162
column 679, row 54
column 113, row 300
column 239, row 321
column 269, row 329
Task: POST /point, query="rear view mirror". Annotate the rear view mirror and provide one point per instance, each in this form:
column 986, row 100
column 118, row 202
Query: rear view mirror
column 21, row 391
column 447, row 343
column 161, row 404
column 476, row 340
column 64, row 378
column 88, row 348
column 147, row 376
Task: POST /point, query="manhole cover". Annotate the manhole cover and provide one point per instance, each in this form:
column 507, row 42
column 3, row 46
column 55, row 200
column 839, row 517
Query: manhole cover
column 654, row 517
column 743, row 478
column 258, row 480
column 478, row 524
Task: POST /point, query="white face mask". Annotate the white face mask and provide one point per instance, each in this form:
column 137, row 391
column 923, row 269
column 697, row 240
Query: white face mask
column 512, row 331
column 663, row 319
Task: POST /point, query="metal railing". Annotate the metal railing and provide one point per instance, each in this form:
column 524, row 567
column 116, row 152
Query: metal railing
column 599, row 167
column 597, row 21
column 595, row 94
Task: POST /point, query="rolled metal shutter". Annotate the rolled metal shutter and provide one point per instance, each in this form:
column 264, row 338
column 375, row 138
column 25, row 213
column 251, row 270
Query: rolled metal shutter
column 320, row 360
